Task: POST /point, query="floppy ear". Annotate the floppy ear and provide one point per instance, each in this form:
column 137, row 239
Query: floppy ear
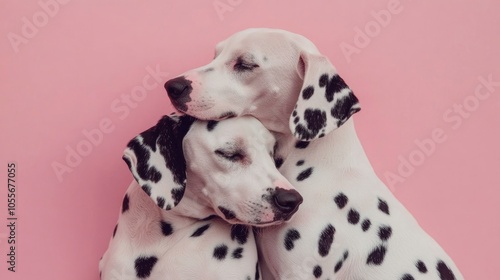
column 157, row 162
column 325, row 101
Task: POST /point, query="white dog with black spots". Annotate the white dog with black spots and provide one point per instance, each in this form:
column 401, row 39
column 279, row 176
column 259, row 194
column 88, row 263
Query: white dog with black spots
column 350, row 226
column 193, row 221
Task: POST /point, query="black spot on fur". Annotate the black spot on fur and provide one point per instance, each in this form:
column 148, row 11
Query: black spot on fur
column 291, row 236
column 177, row 195
column 257, row 274
column 147, row 189
column 326, row 240
column 237, row 253
column 300, row 162
column 382, row 206
column 377, row 255
column 315, row 120
column 144, row 266
column 167, row 135
column 144, row 171
column 332, row 86
column 341, row 200
column 114, row 230
column 160, row 201
column 211, row 125
column 199, row 231
column 366, row 224
column 384, row 232
column 445, row 272
column 305, row 174
column 353, row 216
column 421, row 266
column 239, row 233
column 220, row 252
column 294, row 113
column 307, row 92
column 166, row 228
column 343, row 109
column 296, row 120
column 346, row 254
column 338, row 266
column 323, row 80
column 125, row 203
column 303, row 133
column 278, row 162
column 301, row 144
column 317, row 271
column 407, row 277
column 228, row 214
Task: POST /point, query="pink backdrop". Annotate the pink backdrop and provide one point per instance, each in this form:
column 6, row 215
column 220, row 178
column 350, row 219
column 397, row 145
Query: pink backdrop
column 80, row 78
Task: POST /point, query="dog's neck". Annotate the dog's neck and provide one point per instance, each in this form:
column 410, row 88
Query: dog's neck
column 345, row 152
column 192, row 205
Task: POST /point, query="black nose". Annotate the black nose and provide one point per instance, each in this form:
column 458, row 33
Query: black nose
column 178, row 87
column 287, row 201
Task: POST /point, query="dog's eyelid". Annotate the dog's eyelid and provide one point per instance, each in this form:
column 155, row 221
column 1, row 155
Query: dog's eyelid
column 244, row 65
column 236, row 155
column 246, row 59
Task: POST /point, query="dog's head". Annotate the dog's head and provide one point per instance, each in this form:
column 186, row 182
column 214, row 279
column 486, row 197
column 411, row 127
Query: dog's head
column 274, row 75
column 227, row 166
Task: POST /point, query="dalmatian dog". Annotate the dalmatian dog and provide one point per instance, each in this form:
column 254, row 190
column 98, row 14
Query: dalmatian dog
column 193, row 221
column 350, row 226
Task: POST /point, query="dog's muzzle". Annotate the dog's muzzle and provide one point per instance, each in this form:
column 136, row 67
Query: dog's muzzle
column 178, row 90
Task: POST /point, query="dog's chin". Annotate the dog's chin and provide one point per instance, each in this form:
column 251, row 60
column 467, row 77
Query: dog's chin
column 255, row 223
column 204, row 115
column 179, row 108
column 213, row 117
column 227, row 115
column 178, row 112
column 267, row 224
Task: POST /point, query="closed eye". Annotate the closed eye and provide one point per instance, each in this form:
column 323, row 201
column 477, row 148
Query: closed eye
column 242, row 65
column 230, row 155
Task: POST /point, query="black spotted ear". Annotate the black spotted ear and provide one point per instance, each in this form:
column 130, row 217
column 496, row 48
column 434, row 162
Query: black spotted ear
column 157, row 162
column 325, row 101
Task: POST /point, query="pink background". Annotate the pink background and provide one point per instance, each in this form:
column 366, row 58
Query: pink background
column 71, row 75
